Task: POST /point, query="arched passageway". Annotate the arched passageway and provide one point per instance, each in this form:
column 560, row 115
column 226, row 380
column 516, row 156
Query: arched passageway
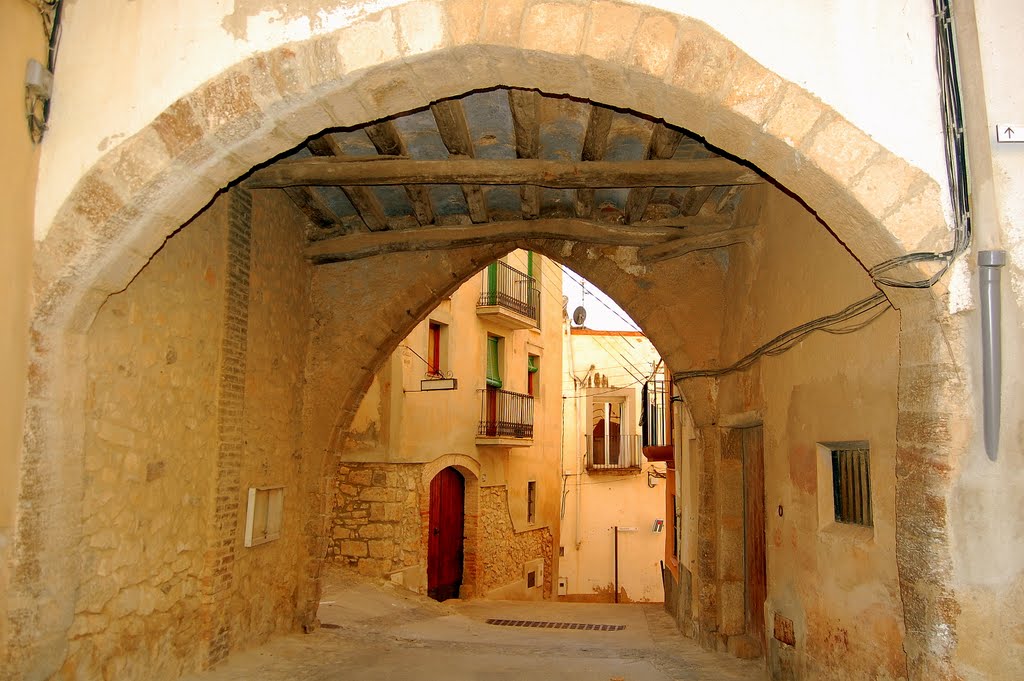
column 110, row 235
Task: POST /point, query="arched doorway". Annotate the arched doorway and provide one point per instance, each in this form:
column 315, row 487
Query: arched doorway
column 447, row 525
column 78, row 272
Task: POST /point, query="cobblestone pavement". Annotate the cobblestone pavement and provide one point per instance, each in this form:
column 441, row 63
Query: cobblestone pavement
column 375, row 631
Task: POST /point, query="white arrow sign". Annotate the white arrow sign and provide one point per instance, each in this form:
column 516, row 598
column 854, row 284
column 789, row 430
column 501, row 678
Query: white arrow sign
column 1009, row 132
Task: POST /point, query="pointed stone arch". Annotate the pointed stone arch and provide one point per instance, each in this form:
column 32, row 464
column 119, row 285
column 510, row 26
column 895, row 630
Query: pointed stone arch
column 671, row 67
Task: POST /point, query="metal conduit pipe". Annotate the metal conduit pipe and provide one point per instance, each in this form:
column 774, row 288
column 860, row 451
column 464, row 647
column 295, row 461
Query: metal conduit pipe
column 989, row 265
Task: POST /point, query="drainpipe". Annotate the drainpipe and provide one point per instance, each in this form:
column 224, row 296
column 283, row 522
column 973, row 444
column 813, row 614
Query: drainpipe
column 984, row 210
column 989, row 264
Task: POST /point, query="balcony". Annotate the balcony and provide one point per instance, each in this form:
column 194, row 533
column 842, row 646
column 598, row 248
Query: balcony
column 506, row 419
column 616, row 453
column 509, row 297
column 655, row 421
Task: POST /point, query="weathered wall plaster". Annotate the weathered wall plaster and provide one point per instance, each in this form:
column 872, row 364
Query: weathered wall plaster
column 21, row 37
column 882, row 48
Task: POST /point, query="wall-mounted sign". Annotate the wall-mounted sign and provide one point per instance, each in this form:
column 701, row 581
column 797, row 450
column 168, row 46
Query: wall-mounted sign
column 1010, row 132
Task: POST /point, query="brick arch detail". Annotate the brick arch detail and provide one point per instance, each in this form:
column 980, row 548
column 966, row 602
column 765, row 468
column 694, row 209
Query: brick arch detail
column 670, row 66
column 472, row 566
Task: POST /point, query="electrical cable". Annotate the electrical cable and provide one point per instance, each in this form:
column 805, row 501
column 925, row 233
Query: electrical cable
column 957, row 165
column 788, row 339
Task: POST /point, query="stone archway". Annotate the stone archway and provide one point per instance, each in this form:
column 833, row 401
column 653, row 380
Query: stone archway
column 673, row 67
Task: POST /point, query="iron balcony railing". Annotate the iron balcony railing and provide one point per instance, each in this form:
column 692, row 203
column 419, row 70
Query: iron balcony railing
column 613, row 452
column 654, row 412
column 504, row 413
column 507, row 287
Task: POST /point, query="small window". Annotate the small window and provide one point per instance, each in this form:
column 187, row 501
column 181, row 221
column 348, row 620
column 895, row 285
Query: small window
column 493, row 362
column 532, row 375
column 851, row 485
column 436, row 337
column 263, row 515
column 531, row 501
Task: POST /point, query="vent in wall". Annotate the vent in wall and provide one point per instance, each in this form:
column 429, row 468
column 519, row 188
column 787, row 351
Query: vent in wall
column 583, row 626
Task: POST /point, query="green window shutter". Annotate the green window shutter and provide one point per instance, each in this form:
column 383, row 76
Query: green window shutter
column 531, row 364
column 492, row 283
column 493, row 372
column 529, row 263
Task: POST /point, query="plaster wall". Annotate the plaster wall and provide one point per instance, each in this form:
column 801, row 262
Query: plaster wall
column 877, row 47
column 988, row 529
column 828, row 579
column 596, row 502
column 21, row 37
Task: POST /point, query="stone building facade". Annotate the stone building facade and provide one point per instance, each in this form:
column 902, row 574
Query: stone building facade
column 405, row 432
column 148, row 366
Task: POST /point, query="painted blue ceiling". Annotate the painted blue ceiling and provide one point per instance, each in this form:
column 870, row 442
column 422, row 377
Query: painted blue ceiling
column 562, row 123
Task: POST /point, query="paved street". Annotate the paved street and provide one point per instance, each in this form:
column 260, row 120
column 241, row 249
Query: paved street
column 374, row 631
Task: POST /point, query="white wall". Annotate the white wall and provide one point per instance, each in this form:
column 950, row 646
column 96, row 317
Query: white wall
column 597, row 502
column 122, row 63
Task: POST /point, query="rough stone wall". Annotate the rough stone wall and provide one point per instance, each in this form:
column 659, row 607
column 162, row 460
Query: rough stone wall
column 503, row 551
column 150, row 449
column 194, row 385
column 218, row 571
column 276, row 338
column 376, row 517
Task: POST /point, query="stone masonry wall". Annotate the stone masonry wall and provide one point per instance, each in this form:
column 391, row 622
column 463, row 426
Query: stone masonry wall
column 276, row 339
column 376, row 520
column 504, row 552
column 150, row 450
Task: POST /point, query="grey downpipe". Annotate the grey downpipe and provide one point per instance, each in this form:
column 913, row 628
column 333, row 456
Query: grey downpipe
column 989, row 264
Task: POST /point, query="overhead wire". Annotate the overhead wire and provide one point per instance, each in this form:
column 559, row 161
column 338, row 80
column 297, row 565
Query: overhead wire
column 786, row 340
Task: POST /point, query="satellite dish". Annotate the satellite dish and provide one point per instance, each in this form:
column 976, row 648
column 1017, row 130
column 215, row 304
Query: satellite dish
column 579, row 315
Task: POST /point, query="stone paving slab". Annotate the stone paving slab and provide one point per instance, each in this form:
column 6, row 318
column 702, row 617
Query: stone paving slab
column 375, row 631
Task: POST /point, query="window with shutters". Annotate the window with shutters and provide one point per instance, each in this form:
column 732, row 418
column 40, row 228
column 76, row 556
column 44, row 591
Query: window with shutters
column 851, row 485
column 437, row 340
column 493, row 362
column 844, row 487
column 532, row 375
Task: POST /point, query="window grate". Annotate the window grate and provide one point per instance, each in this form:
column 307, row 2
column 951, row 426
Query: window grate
column 851, row 486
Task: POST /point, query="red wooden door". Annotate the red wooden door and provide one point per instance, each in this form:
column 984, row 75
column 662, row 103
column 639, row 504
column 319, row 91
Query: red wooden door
column 756, row 577
column 444, row 549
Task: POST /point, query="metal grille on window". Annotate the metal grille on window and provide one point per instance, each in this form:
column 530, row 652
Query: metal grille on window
column 851, row 486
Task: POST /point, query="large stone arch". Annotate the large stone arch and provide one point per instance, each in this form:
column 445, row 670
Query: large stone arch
column 658, row 63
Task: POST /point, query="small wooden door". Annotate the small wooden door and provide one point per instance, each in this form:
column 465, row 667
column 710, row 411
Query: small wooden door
column 447, row 523
column 756, row 573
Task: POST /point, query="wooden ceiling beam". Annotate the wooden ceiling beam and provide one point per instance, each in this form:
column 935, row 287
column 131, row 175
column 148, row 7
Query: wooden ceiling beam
column 388, row 142
column 362, row 198
column 365, row 245
column 662, row 145
column 450, row 119
column 555, row 174
column 525, row 107
column 690, row 244
column 308, row 200
column 595, row 144
column 695, row 199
